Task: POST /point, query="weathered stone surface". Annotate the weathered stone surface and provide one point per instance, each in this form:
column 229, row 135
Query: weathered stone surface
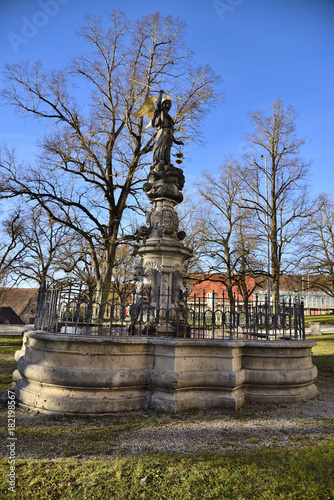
column 315, row 328
column 60, row 373
column 161, row 270
column 278, row 372
column 164, row 181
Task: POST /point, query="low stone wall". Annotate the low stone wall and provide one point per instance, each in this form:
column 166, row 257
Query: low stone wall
column 68, row 374
column 279, row 372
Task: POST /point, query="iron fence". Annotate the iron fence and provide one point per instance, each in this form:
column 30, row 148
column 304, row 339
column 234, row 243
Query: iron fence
column 78, row 310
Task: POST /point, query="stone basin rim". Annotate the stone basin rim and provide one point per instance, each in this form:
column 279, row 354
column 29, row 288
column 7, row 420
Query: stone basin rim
column 136, row 339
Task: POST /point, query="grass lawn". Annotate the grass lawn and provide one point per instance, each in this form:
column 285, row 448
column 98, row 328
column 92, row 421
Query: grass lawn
column 323, row 354
column 8, row 347
column 267, row 474
column 324, row 319
column 289, row 473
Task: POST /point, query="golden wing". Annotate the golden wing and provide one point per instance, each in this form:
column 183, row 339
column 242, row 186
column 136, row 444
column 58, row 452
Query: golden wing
column 147, row 108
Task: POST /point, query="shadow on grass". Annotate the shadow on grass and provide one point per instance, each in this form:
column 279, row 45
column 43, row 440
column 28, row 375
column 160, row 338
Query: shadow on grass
column 7, row 366
column 325, row 364
column 6, row 379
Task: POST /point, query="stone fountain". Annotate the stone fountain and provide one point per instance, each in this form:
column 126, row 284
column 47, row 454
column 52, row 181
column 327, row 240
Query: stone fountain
column 62, row 373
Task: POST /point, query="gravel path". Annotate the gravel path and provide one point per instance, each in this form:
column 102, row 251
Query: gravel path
column 253, row 426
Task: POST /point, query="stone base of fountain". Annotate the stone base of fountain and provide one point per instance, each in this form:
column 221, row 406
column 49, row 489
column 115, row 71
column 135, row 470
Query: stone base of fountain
column 78, row 374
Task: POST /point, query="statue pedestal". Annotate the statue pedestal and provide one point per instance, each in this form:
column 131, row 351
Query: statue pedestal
column 161, row 290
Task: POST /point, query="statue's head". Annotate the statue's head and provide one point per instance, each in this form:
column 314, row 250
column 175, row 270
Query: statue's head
column 167, row 103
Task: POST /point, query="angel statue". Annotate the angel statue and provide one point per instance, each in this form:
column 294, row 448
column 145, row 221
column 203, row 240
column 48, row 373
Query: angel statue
column 163, row 123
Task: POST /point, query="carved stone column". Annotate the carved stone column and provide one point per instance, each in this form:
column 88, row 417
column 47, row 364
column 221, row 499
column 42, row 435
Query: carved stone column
column 161, row 289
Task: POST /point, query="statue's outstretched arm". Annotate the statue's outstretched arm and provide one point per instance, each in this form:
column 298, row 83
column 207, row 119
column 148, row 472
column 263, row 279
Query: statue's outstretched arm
column 159, row 100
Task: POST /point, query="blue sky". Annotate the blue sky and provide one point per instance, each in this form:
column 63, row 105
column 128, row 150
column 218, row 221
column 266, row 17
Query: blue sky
column 263, row 49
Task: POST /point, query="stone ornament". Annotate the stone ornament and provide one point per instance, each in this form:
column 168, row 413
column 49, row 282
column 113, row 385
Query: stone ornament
column 164, row 181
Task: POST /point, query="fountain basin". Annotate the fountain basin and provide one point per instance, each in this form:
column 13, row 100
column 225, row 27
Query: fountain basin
column 81, row 374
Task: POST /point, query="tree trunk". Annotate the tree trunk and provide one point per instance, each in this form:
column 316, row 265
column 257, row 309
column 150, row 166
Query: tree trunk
column 103, row 283
column 275, row 262
column 229, row 277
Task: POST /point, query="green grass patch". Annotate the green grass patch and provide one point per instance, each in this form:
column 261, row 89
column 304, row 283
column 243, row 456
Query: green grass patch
column 264, row 475
column 10, row 341
column 325, row 343
column 324, row 319
column 8, row 347
column 323, row 353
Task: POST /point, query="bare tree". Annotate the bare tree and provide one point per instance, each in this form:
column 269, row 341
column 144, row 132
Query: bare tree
column 13, row 247
column 193, row 217
column 91, row 162
column 229, row 243
column 74, row 260
column 247, row 248
column 281, row 212
column 124, row 272
column 317, row 251
column 43, row 239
